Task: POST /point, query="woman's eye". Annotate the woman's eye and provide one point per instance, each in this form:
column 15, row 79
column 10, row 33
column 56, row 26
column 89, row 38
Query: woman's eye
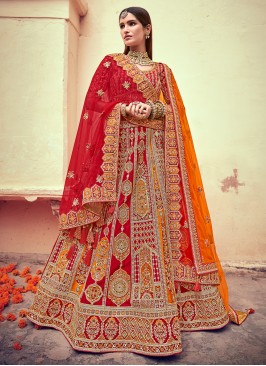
column 121, row 26
column 132, row 23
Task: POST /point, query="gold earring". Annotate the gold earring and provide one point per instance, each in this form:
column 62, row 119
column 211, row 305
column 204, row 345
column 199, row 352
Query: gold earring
column 147, row 36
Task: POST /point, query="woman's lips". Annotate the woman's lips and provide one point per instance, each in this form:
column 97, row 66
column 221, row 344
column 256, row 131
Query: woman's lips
column 127, row 37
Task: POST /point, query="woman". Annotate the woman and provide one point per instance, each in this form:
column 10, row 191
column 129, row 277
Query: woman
column 135, row 260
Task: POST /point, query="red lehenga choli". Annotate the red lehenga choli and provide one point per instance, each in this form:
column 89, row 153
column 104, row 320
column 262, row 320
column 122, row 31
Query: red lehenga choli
column 135, row 261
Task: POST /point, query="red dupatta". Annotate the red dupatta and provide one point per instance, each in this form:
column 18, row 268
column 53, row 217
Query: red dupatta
column 90, row 185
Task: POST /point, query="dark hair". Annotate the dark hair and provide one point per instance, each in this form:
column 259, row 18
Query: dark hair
column 144, row 18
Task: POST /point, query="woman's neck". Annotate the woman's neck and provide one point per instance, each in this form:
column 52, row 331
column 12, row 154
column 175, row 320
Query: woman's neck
column 141, row 49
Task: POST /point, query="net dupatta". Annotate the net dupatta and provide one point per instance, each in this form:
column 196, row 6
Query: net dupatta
column 87, row 154
column 90, row 185
column 201, row 228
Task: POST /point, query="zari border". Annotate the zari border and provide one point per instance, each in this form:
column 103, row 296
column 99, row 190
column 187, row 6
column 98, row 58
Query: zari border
column 105, row 191
column 174, row 133
column 96, row 329
column 143, row 84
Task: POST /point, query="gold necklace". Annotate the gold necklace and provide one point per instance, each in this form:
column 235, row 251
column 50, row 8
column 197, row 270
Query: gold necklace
column 140, row 58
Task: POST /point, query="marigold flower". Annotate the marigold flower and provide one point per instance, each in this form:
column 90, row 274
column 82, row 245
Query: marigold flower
column 17, row 346
column 12, row 282
column 28, row 277
column 2, row 271
column 11, row 317
column 2, row 306
column 23, row 313
column 34, row 280
column 17, row 298
column 4, row 278
column 4, row 300
column 22, row 323
column 31, row 288
column 10, row 267
column 2, row 318
column 16, row 272
column 7, row 289
column 25, row 271
column 18, row 290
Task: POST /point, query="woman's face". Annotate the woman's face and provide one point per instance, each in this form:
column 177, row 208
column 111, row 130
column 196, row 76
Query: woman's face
column 132, row 31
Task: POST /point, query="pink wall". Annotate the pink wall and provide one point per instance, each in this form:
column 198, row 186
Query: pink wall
column 27, row 227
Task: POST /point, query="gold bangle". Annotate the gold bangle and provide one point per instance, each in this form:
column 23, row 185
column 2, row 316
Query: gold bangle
column 160, row 109
column 123, row 109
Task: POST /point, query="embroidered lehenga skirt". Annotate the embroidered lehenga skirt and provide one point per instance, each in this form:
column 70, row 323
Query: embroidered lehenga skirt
column 129, row 301
column 137, row 294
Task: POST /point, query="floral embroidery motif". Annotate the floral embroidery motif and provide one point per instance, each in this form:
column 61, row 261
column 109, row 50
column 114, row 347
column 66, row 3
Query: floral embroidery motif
column 126, row 85
column 93, row 293
column 107, row 64
column 100, row 93
column 123, row 214
column 99, row 179
column 54, row 308
column 70, row 174
column 207, row 219
column 119, row 286
column 75, row 202
column 160, row 331
column 86, row 115
column 111, row 328
column 121, row 246
column 100, row 261
column 93, row 327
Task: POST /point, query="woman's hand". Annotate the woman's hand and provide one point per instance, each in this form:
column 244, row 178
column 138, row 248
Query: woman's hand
column 138, row 110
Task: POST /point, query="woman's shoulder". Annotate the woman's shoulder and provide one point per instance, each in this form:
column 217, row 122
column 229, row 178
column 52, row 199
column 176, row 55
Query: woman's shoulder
column 162, row 65
column 111, row 56
column 109, row 59
column 163, row 68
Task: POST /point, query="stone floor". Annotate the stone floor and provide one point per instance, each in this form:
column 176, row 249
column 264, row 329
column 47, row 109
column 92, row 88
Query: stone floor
column 245, row 344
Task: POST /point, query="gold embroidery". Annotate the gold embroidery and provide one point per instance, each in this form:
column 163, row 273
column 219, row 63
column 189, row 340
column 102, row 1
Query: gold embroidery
column 126, row 85
column 121, row 246
column 106, row 191
column 100, row 92
column 85, row 115
column 93, row 293
column 176, row 156
column 107, row 64
column 123, row 214
column 142, row 199
column 75, row 202
column 143, row 84
column 100, row 260
column 70, row 174
column 119, row 287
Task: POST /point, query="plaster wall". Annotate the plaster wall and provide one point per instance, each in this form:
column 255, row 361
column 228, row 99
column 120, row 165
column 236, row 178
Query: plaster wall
column 32, row 90
column 217, row 51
